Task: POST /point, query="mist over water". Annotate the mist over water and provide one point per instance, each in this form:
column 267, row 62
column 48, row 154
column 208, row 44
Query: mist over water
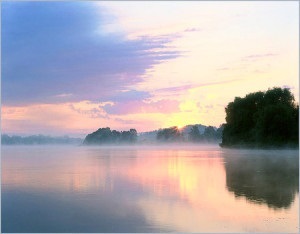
column 150, row 188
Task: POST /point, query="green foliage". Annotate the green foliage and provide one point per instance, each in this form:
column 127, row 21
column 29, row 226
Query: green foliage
column 106, row 136
column 169, row 134
column 194, row 134
column 219, row 131
column 210, row 134
column 262, row 119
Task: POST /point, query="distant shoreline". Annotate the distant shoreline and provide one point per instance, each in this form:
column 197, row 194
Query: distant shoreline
column 169, row 146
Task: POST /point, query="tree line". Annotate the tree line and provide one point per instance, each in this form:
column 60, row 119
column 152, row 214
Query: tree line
column 107, row 136
column 210, row 134
column 37, row 140
column 262, row 119
column 172, row 134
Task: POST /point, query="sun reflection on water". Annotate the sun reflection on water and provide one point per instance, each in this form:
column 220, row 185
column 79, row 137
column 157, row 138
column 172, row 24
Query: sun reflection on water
column 184, row 190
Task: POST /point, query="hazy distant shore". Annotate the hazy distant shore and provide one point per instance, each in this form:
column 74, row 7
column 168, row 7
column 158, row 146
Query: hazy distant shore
column 39, row 140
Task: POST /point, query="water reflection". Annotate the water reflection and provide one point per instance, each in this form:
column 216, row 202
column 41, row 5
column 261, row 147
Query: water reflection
column 68, row 190
column 264, row 177
column 148, row 190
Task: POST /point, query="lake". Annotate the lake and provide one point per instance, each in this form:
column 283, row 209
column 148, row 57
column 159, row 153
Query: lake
column 149, row 189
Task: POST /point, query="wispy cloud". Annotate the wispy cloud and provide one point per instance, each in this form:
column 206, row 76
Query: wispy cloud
column 184, row 88
column 193, row 30
column 130, row 95
column 223, row 69
column 259, row 56
column 81, row 65
column 139, row 106
column 92, row 110
column 54, row 48
column 177, row 89
column 63, row 96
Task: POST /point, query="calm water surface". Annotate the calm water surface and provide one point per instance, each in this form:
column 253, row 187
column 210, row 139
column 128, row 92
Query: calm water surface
column 150, row 189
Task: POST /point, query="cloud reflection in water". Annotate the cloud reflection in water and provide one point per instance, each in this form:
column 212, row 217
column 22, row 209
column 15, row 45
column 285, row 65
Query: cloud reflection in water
column 185, row 189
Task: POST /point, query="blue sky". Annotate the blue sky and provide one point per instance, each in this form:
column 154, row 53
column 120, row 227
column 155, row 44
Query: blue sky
column 52, row 52
column 73, row 67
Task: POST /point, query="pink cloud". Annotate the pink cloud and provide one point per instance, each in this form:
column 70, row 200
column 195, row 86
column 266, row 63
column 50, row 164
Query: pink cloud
column 177, row 89
column 181, row 89
column 133, row 107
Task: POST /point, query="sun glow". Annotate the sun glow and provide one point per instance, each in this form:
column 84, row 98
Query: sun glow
column 182, row 119
column 181, row 67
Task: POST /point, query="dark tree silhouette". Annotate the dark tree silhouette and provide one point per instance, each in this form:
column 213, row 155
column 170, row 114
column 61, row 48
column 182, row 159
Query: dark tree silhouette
column 210, row 134
column 219, row 132
column 262, row 119
column 106, row 136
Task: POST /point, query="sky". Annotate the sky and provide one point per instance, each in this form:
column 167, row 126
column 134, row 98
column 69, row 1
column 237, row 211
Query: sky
column 69, row 68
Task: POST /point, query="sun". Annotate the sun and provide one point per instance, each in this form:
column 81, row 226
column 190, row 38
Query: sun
column 180, row 126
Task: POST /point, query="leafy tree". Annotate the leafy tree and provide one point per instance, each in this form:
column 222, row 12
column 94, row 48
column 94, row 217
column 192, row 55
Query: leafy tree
column 220, row 131
column 133, row 135
column 194, row 134
column 106, row 136
column 115, row 136
column 210, row 133
column 262, row 119
column 169, row 134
